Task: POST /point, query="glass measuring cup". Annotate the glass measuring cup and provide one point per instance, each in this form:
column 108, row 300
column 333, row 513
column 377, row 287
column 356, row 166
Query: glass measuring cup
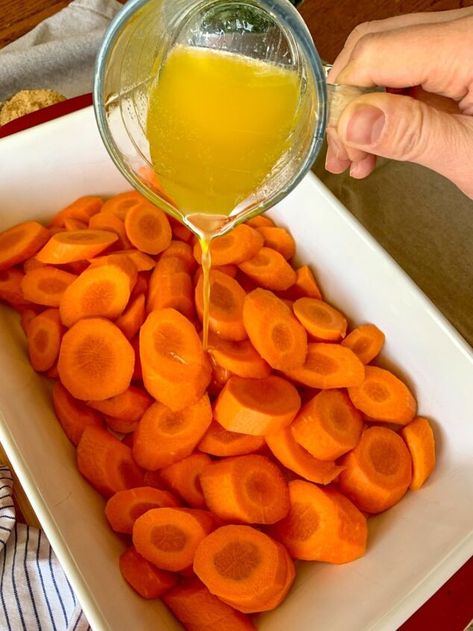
column 135, row 50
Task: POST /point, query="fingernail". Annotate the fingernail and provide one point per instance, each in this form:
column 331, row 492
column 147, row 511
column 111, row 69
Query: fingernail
column 365, row 126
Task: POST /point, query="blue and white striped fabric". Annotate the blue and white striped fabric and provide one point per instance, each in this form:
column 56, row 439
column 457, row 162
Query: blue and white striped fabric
column 35, row 594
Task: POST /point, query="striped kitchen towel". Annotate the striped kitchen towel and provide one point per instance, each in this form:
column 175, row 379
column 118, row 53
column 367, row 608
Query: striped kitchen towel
column 35, row 594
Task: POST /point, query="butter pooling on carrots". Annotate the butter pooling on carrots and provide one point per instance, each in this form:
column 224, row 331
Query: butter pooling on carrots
column 285, row 425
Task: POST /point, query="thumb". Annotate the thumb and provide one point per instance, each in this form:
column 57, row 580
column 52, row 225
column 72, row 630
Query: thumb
column 403, row 128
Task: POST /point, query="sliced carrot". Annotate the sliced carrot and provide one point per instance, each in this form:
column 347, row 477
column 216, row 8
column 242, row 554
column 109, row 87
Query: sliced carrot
column 328, row 425
column 141, row 286
column 124, row 507
column 137, row 370
column 11, row 287
column 306, row 284
column 76, row 267
column 225, row 306
column 100, row 291
column 21, row 242
column 129, row 405
column 120, row 204
column 130, row 321
column 171, row 289
column 240, row 358
column 45, row 285
column 322, row 321
column 31, row 264
column 141, row 261
column 218, row 441
column 366, row 341
column 121, row 261
column 290, row 454
column 243, row 565
column 168, row 537
column 278, row 239
column 260, row 221
column 199, row 610
column 179, row 231
column 183, row 478
column 163, row 437
column 106, row 462
column 384, row 397
column 74, row 224
column 378, row 471
column 248, row 488
column 95, row 360
column 82, row 209
column 420, row 441
column 176, row 370
column 26, row 316
column 147, row 227
column 120, row 425
column 238, row 245
column 274, row 332
column 269, row 269
column 329, row 366
column 256, row 406
column 73, row 415
column 111, row 223
column 146, row 579
column 44, row 339
column 183, row 251
column 67, row 247
column 322, row 525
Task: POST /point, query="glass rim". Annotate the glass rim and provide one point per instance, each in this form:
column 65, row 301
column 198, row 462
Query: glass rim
column 282, row 10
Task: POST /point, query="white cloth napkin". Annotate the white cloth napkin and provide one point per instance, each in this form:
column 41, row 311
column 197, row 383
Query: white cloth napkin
column 59, row 53
column 35, row 594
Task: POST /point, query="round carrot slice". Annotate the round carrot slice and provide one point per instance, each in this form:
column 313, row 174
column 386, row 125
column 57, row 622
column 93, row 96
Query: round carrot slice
column 147, row 227
column 20, row 242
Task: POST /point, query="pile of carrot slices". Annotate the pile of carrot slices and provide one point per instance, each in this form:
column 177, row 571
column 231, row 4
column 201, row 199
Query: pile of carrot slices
column 220, row 467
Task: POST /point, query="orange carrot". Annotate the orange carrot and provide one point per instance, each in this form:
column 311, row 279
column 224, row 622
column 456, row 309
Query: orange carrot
column 366, row 341
column 44, row 339
column 147, row 580
column 260, row 221
column 278, row 239
column 100, row 291
column 26, row 315
column 45, row 285
column 106, row 463
column 163, row 437
column 218, row 441
column 141, row 286
column 248, row 489
column 137, row 370
column 124, row 507
column 73, row 415
column 76, row 267
column 121, row 261
column 320, row 320
column 147, row 227
column 420, row 441
column 236, row 246
column 67, row 247
column 11, row 287
column 378, row 472
column 306, row 284
column 329, row 366
column 225, row 306
column 322, row 525
column 199, row 610
column 120, row 425
column 142, row 262
column 384, row 397
column 175, row 368
column 95, row 360
column 171, row 289
column 290, row 454
column 182, row 251
column 129, row 405
column 133, row 317
column 182, row 477
column 179, row 231
column 256, row 406
column 32, row 263
column 274, row 332
column 120, row 204
column 74, row 224
column 269, row 269
column 21, row 242
column 111, row 223
column 240, row 358
column 168, row 537
column 328, row 425
column 243, row 565
column 82, row 209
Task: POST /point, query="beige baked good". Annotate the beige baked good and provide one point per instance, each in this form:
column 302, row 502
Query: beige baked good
column 27, row 101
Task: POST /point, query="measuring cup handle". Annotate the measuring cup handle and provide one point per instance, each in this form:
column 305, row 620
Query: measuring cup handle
column 340, row 95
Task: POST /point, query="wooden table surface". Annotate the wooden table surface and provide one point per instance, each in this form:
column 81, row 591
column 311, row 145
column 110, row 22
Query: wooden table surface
column 330, row 22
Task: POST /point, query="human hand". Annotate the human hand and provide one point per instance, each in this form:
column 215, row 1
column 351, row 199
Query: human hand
column 427, row 60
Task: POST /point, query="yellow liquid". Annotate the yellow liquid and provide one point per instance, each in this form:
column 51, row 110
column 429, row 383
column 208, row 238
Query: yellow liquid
column 217, row 124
